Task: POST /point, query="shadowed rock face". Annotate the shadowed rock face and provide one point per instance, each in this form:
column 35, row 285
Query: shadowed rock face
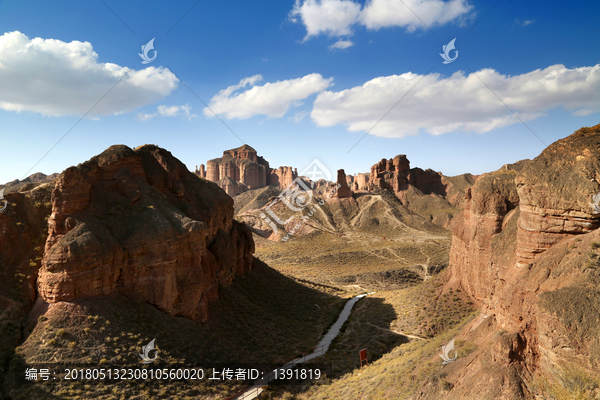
column 138, row 222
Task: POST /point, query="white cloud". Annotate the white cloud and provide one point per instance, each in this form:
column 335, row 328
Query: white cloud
column 525, row 22
column 55, row 78
column 334, row 17
column 338, row 17
column 438, row 105
column 299, row 116
column 169, row 111
column 403, row 13
column 145, row 117
column 271, row 99
column 340, row 45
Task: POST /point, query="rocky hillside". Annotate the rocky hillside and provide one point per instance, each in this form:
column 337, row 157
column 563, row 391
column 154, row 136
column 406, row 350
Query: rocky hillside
column 28, row 183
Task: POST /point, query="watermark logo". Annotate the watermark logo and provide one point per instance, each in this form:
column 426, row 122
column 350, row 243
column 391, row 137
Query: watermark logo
column 446, row 54
column 315, row 171
column 145, row 49
column 146, row 352
column 446, row 350
column 298, row 196
column 596, row 203
column 4, row 202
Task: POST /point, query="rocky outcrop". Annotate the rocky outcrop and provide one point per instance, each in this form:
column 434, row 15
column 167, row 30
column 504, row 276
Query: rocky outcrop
column 556, row 192
column 242, row 165
column 425, row 192
column 231, row 187
column 361, row 181
column 525, row 249
column 343, row 190
column 247, row 169
column 282, row 177
column 201, row 172
column 350, row 181
column 138, row 222
column 22, row 235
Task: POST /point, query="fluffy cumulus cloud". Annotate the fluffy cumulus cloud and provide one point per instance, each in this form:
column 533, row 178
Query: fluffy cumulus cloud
column 55, row 78
column 338, row 17
column 460, row 102
column 169, row 111
column 334, row 17
column 270, row 99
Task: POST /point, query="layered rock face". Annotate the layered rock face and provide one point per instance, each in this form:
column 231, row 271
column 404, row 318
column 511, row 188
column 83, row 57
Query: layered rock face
column 138, row 222
column 246, row 169
column 524, row 248
column 556, row 194
column 242, row 165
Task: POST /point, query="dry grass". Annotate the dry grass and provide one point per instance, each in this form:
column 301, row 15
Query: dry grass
column 567, row 382
column 330, row 259
column 396, row 375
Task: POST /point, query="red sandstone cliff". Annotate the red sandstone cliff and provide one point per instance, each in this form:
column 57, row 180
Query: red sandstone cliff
column 138, row 222
column 242, row 169
column 525, row 250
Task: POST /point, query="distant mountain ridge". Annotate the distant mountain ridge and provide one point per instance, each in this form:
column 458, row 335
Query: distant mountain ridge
column 28, row 183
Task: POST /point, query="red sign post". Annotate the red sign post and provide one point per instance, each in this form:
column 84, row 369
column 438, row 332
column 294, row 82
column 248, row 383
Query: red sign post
column 363, row 357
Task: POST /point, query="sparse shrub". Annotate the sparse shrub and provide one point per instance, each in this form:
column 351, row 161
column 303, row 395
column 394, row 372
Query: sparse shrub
column 60, row 332
column 594, row 245
column 86, row 330
column 52, row 342
column 72, row 345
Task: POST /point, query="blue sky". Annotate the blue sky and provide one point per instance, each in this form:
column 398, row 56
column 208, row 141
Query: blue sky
column 297, row 80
